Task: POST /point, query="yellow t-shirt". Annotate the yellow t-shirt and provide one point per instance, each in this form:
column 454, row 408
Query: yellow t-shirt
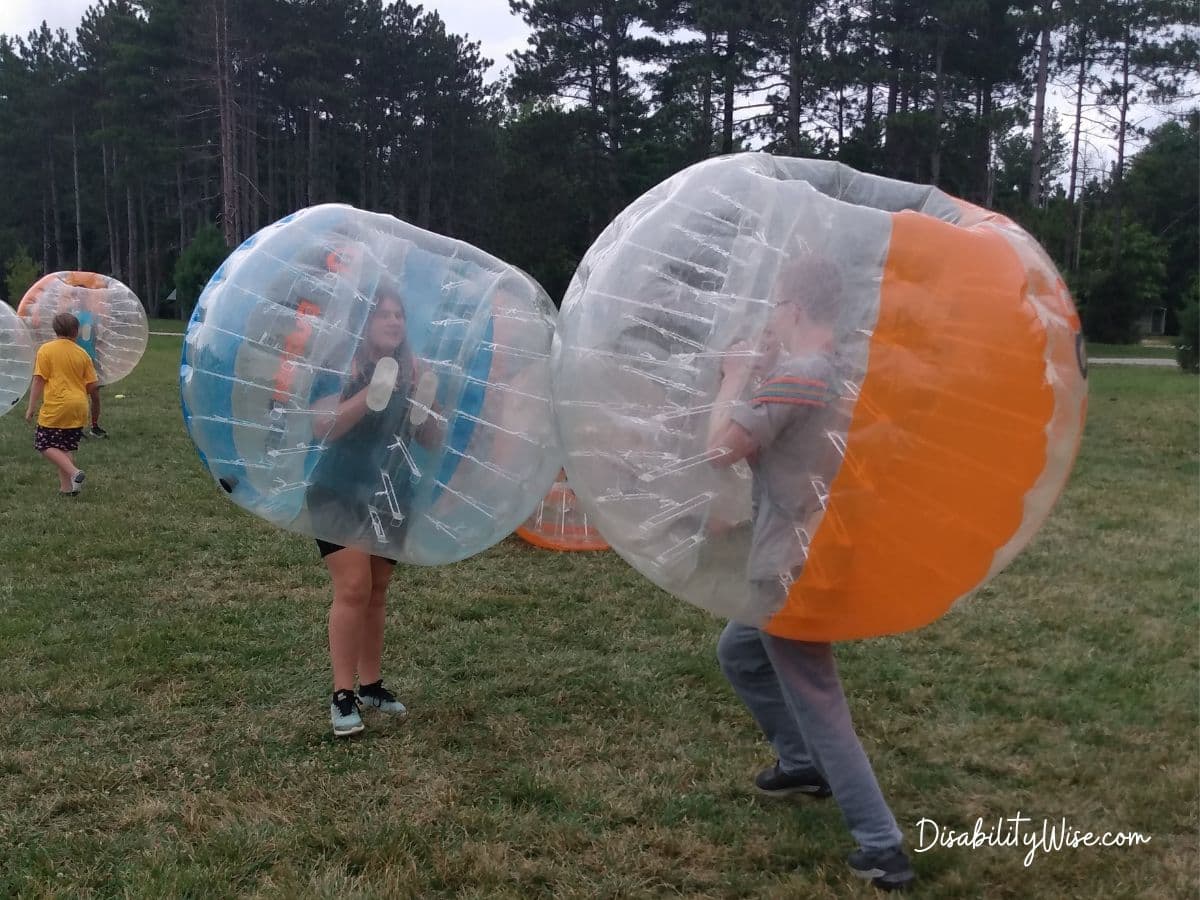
column 68, row 370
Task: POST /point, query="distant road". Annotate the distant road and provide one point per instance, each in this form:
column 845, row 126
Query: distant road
column 1130, row 361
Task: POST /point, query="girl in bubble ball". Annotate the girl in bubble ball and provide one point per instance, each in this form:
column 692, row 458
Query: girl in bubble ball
column 792, row 687
column 341, row 495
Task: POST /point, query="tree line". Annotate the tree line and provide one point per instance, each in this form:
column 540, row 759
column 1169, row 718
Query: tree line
column 166, row 131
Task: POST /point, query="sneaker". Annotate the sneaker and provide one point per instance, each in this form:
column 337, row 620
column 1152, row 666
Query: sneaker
column 98, row 432
column 889, row 870
column 77, row 481
column 376, row 696
column 343, row 714
column 774, row 782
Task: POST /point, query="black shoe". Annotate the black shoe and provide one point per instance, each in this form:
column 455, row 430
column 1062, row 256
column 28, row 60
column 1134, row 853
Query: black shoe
column 774, row 782
column 889, row 870
column 376, row 696
column 99, row 432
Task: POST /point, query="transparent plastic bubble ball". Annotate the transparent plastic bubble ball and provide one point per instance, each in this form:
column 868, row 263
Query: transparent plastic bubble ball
column 374, row 385
column 112, row 321
column 16, row 358
column 822, row 403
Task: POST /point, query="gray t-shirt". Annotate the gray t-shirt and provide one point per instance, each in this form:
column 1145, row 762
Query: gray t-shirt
column 790, row 415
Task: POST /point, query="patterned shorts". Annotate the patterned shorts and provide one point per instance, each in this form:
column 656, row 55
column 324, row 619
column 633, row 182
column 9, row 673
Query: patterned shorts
column 65, row 439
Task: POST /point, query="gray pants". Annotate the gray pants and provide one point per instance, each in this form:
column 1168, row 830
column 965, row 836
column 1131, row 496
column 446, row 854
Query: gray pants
column 793, row 691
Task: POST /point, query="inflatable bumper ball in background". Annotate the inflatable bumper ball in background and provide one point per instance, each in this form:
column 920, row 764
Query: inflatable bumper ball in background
column 456, row 444
column 16, row 358
column 112, row 321
column 956, row 393
column 559, row 523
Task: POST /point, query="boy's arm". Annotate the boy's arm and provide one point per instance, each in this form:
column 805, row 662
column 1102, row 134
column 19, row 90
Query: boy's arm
column 728, row 441
column 35, row 395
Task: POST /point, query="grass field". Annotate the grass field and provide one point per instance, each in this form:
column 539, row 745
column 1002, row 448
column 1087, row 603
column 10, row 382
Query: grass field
column 166, row 730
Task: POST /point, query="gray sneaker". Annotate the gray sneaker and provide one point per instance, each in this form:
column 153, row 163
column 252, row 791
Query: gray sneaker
column 344, row 715
column 376, row 696
column 774, row 782
column 889, row 870
column 77, row 481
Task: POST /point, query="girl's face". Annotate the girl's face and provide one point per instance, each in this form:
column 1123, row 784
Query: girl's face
column 386, row 329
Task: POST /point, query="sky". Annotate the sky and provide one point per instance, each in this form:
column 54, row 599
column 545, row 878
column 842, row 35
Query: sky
column 488, row 21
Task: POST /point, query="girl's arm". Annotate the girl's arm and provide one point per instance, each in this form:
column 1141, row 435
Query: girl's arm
column 429, row 433
column 336, row 417
column 35, row 395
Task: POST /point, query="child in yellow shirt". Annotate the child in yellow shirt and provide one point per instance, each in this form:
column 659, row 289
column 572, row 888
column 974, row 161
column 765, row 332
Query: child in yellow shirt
column 63, row 380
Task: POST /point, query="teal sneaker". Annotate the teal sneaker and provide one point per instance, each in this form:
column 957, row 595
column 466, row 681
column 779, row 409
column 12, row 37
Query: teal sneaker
column 376, row 696
column 344, row 715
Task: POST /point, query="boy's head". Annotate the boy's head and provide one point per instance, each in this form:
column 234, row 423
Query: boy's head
column 66, row 325
column 813, row 283
column 808, row 301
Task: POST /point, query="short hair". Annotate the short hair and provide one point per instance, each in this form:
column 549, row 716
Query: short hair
column 65, row 325
column 814, row 283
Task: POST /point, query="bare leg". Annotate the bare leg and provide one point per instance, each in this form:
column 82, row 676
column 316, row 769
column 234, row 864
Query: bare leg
column 350, row 570
column 370, row 654
column 65, row 464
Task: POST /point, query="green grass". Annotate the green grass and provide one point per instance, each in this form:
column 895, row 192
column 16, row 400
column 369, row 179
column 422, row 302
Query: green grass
column 1144, row 350
column 166, row 732
column 175, row 326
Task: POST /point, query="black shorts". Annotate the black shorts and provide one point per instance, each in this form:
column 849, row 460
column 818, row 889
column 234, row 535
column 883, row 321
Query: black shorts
column 326, row 548
column 65, row 439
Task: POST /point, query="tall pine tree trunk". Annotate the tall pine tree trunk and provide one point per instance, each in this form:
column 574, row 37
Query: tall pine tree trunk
column 114, row 254
column 362, row 167
column 1119, row 174
column 227, row 123
column 1071, row 249
column 425, row 191
column 597, row 149
column 935, row 156
column 706, row 99
column 78, row 214
column 312, row 155
column 45, row 235
column 614, row 116
column 1039, row 107
column 272, row 186
column 730, row 91
column 891, row 143
column 131, row 268
column 55, row 216
column 985, row 146
column 1080, row 84
column 869, row 124
column 183, row 235
column 245, row 173
column 150, row 292
column 795, row 48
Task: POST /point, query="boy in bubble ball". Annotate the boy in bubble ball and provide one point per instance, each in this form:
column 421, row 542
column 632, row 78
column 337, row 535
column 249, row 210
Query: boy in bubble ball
column 63, row 380
column 792, row 687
